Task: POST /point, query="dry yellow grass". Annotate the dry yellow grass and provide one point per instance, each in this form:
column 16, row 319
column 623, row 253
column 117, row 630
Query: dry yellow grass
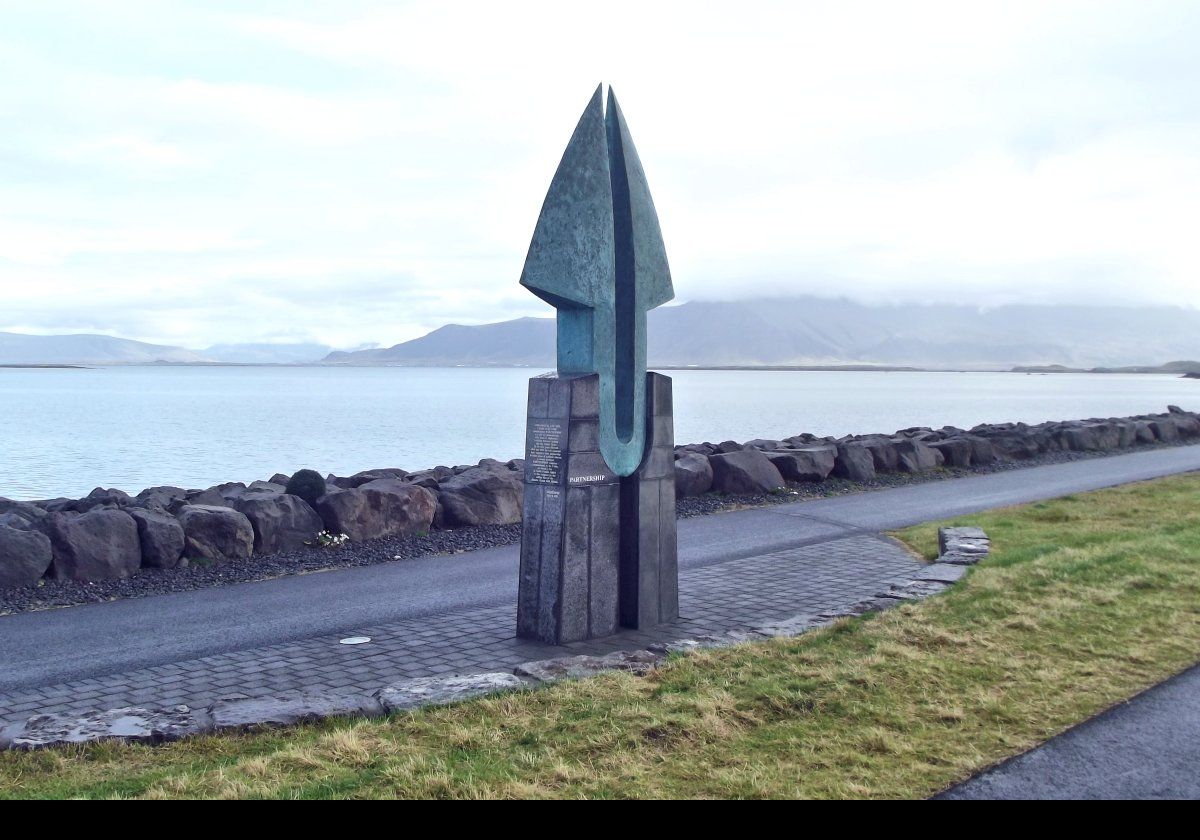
column 1085, row 601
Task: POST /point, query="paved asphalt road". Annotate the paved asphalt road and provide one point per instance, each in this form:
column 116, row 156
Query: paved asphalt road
column 1147, row 748
column 55, row 646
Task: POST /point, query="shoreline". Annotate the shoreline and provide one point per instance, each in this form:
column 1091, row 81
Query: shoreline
column 110, row 544
column 148, row 582
column 1029, row 370
column 44, row 367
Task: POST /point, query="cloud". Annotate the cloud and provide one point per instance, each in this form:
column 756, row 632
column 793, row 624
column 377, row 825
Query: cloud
column 192, row 173
column 130, row 150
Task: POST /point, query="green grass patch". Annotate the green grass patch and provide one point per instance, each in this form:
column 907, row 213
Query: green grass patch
column 1085, row 601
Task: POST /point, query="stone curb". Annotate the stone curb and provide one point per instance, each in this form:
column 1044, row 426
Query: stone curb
column 959, row 549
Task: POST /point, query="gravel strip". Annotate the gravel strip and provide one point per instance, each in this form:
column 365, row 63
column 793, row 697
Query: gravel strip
column 64, row 593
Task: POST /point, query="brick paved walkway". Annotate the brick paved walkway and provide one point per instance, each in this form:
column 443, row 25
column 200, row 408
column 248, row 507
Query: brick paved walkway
column 713, row 599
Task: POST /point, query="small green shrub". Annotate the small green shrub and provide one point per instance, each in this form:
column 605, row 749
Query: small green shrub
column 308, row 485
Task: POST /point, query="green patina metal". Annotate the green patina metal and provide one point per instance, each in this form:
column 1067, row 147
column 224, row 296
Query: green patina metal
column 597, row 256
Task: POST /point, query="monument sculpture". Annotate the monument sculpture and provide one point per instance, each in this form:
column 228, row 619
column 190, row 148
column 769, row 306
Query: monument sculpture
column 598, row 546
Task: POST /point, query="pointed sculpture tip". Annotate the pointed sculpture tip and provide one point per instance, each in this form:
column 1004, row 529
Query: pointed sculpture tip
column 596, row 103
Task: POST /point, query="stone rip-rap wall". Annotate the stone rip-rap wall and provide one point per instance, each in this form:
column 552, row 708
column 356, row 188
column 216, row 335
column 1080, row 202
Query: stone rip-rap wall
column 111, row 534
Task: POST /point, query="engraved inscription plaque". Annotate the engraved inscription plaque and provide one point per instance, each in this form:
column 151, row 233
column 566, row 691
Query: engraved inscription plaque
column 545, row 452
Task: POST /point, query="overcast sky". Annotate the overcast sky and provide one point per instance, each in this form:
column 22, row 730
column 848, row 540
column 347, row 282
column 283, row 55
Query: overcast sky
column 189, row 173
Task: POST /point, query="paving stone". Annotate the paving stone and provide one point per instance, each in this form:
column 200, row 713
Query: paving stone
column 879, row 603
column 292, row 709
column 912, row 590
column 638, row 662
column 956, row 558
column 941, row 573
column 790, row 627
column 127, row 724
column 436, row 691
column 962, row 546
column 708, row 641
column 949, row 535
column 718, row 602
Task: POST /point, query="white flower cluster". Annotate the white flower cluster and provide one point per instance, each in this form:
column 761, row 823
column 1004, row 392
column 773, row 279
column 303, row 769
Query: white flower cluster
column 328, row 539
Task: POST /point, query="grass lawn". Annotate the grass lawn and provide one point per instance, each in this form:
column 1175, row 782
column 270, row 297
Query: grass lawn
column 1085, row 601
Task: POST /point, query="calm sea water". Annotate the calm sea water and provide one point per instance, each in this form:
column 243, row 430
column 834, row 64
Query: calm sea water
column 63, row 432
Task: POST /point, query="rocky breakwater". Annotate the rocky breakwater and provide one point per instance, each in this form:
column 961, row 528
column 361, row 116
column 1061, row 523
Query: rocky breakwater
column 110, row 534
column 765, row 466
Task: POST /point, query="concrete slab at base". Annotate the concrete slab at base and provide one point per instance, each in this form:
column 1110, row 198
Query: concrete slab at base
column 435, row 691
column 149, row 726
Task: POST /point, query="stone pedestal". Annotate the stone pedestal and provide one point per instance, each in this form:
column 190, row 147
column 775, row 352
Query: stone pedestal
column 597, row 551
column 649, row 553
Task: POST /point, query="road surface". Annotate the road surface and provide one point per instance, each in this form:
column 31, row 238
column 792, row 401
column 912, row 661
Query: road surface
column 56, row 646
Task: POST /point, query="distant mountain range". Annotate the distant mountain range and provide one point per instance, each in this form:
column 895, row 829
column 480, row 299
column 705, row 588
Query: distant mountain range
column 266, row 354
column 813, row 331
column 21, row 349
column 519, row 343
column 805, row 331
column 18, row 349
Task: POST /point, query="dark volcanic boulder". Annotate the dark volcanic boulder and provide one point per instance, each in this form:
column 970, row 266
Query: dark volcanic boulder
column 109, row 496
column 981, row 450
column 764, row 444
column 744, row 471
column 98, row 545
column 281, row 521
column 1165, row 429
column 1128, row 432
column 698, row 448
column 24, row 510
column 1187, row 424
column 230, row 491
column 800, row 441
column 199, row 498
column 804, row 463
column 487, row 495
column 13, row 520
column 916, row 456
column 367, row 476
column 1014, row 445
column 883, row 454
column 24, row 557
column 1142, row 432
column 161, row 537
column 1099, row 436
column 213, row 532
column 854, row 462
column 159, row 498
column 430, row 479
column 386, row 508
column 956, row 451
column 727, row 446
column 1078, row 438
column 693, row 475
